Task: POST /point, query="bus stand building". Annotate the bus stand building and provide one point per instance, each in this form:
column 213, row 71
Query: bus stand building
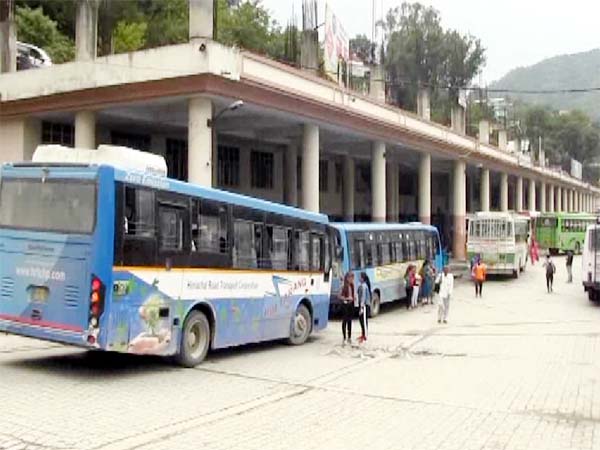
column 298, row 139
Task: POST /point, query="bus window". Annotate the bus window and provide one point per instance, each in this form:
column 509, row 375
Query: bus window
column 171, row 228
column 139, row 231
column 209, row 227
column 392, row 250
column 384, row 254
column 316, row 254
column 244, row 250
column 358, row 255
column 139, row 212
column 278, row 247
column 399, row 252
column 301, row 253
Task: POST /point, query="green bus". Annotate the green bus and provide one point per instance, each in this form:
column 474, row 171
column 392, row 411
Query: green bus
column 559, row 232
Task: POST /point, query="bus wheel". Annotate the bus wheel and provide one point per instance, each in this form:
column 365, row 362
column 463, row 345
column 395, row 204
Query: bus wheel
column 375, row 305
column 300, row 329
column 516, row 273
column 195, row 340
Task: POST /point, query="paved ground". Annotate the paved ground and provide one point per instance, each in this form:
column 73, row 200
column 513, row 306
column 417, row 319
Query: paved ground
column 515, row 370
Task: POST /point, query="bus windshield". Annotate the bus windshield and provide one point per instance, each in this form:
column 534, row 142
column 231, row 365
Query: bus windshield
column 59, row 205
column 491, row 228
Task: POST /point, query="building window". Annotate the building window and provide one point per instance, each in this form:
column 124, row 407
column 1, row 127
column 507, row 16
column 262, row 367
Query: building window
column 136, row 141
column 363, row 178
column 177, row 158
column 58, row 133
column 339, row 176
column 299, row 174
column 228, row 168
column 323, row 175
column 261, row 164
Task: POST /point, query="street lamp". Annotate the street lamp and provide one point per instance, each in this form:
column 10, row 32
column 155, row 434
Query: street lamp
column 232, row 107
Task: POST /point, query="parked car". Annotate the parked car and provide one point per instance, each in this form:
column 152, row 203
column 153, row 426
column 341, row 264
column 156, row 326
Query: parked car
column 31, row 57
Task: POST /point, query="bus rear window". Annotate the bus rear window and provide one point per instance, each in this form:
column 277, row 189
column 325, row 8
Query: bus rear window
column 67, row 206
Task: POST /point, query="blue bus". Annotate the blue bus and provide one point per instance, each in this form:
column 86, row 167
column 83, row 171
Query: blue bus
column 384, row 252
column 127, row 261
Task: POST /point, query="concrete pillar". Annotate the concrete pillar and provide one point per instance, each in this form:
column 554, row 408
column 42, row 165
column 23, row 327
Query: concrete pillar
column 424, row 194
column 378, row 182
column 484, row 190
column 531, row 200
column 571, row 201
column 377, row 83
column 551, row 202
column 392, row 191
column 309, row 50
column 484, row 131
column 348, row 188
column 201, row 23
column 424, row 103
column 502, row 140
column 565, row 202
column 459, row 209
column 543, row 207
column 457, row 119
column 200, row 146
column 86, row 30
column 503, row 191
column 310, row 168
column 291, row 175
column 85, row 129
column 559, row 199
column 519, row 194
column 8, row 37
column 19, row 137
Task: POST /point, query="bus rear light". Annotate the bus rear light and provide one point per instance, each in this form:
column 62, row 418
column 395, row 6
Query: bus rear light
column 96, row 301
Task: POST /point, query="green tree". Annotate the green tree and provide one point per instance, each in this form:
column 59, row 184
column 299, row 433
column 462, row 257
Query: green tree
column 34, row 27
column 463, row 58
column 414, row 53
column 362, row 46
column 128, row 37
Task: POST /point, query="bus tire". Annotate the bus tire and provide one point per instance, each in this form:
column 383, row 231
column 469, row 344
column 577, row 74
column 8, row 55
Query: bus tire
column 375, row 305
column 301, row 326
column 516, row 273
column 195, row 340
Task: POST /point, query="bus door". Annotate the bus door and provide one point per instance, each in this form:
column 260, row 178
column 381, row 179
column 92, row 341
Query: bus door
column 48, row 224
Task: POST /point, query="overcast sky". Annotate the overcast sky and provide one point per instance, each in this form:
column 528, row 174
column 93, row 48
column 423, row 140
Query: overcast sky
column 514, row 32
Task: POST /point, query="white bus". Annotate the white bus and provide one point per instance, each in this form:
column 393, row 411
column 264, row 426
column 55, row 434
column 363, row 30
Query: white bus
column 501, row 239
column 591, row 262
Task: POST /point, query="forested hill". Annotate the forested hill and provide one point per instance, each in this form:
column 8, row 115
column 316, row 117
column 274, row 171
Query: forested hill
column 576, row 71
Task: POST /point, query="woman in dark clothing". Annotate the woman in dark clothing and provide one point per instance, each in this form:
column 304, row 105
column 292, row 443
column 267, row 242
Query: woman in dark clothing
column 347, row 297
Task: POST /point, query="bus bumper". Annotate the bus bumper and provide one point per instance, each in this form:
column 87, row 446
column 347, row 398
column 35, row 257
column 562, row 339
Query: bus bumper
column 69, row 337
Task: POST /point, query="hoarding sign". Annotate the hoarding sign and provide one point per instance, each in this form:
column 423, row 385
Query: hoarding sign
column 337, row 45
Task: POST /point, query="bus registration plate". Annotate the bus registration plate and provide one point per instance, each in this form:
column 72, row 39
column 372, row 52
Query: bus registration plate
column 38, row 294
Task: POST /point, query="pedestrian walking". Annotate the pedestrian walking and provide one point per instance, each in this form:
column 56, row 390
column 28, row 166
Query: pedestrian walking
column 427, row 276
column 479, row 274
column 347, row 297
column 550, row 271
column 534, row 251
column 409, row 282
column 414, row 299
column 569, row 266
column 364, row 305
column 445, row 281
